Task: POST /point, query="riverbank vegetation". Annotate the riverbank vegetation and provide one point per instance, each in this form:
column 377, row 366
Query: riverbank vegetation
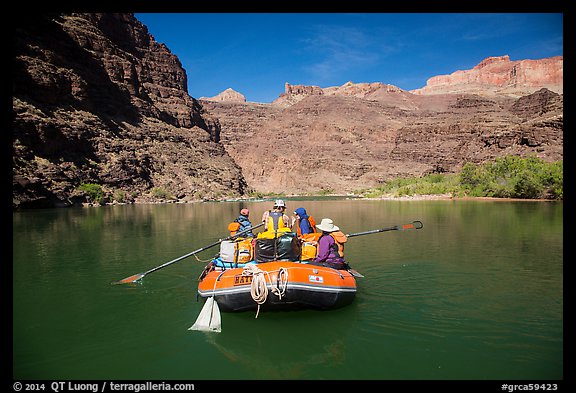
column 504, row 177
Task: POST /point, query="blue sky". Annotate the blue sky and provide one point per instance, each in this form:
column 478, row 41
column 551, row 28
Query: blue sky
column 256, row 53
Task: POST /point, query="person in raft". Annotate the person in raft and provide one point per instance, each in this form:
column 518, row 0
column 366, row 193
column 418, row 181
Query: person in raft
column 330, row 246
column 275, row 218
column 304, row 223
column 244, row 222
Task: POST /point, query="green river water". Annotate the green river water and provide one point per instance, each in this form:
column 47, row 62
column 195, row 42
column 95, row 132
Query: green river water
column 477, row 294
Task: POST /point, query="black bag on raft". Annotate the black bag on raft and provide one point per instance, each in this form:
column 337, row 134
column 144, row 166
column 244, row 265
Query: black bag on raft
column 264, row 250
column 288, row 247
column 285, row 247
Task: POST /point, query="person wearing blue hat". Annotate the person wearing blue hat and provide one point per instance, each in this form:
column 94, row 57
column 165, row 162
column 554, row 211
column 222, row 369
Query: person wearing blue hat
column 303, row 222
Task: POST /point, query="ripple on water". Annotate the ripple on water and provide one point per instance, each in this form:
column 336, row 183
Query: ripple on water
column 419, row 300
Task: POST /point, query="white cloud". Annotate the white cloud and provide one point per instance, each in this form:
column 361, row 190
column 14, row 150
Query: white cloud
column 334, row 50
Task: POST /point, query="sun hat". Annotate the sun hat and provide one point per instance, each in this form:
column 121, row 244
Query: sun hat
column 244, row 212
column 279, row 203
column 327, row 225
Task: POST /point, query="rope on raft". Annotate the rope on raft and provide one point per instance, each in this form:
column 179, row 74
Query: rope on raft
column 259, row 287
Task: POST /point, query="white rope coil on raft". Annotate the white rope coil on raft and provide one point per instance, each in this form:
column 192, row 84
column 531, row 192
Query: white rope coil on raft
column 259, row 287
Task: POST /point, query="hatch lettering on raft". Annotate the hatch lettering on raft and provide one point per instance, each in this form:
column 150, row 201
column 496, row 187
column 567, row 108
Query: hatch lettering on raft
column 241, row 279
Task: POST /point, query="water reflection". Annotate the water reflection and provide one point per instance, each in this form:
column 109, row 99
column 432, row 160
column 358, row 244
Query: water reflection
column 285, row 345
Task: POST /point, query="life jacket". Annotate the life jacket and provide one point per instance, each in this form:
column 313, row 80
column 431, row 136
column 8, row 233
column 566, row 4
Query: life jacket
column 309, row 251
column 273, row 234
column 312, row 223
column 240, row 224
column 339, row 240
column 309, row 245
column 275, row 226
column 244, row 250
column 311, row 237
column 275, row 221
column 233, row 227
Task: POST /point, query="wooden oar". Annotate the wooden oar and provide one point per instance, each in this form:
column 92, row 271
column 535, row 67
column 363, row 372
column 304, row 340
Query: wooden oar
column 412, row 225
column 139, row 276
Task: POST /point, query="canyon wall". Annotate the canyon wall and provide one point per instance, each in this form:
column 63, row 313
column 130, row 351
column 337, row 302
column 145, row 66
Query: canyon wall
column 96, row 100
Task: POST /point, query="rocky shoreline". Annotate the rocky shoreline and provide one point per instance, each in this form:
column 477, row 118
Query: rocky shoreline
column 429, row 197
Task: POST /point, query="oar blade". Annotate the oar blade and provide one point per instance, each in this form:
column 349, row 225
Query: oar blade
column 418, row 224
column 412, row 225
column 355, row 273
column 130, row 279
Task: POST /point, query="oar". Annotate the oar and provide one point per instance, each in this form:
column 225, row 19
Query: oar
column 139, row 276
column 412, row 225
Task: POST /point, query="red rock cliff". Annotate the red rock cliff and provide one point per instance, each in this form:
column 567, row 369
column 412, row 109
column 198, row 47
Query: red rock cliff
column 501, row 75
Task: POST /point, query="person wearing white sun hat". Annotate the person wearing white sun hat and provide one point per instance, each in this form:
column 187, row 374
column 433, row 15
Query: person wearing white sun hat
column 330, row 246
column 327, row 225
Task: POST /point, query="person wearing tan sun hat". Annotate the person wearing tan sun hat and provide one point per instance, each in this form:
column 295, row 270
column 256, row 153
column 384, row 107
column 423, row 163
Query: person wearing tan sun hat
column 330, row 246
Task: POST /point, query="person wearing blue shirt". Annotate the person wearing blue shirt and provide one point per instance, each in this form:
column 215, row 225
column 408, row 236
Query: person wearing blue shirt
column 244, row 222
column 302, row 221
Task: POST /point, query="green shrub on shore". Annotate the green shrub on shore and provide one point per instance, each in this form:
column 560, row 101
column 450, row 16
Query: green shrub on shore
column 514, row 177
column 93, row 191
column 161, row 193
column 431, row 184
column 504, row 177
column 426, row 185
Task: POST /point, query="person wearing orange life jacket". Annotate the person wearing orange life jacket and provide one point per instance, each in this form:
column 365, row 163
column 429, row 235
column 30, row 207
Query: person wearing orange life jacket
column 305, row 224
column 330, row 246
column 240, row 224
column 276, row 219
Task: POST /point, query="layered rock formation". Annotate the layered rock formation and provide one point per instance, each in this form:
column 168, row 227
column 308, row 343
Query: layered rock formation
column 500, row 75
column 97, row 100
column 359, row 135
column 228, row 95
column 371, row 91
column 344, row 143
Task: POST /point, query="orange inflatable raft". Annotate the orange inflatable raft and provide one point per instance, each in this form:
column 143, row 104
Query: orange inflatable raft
column 276, row 285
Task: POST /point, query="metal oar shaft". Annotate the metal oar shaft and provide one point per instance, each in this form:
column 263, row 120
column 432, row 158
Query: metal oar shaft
column 369, row 232
column 182, row 257
column 412, row 225
column 139, row 276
